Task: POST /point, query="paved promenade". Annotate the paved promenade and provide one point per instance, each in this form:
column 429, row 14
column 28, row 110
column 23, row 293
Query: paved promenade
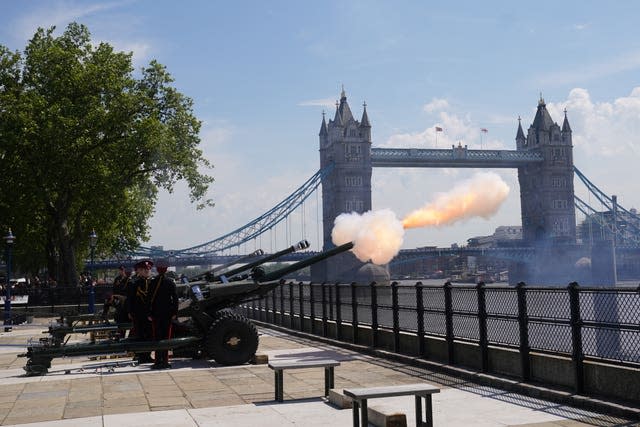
column 83, row 392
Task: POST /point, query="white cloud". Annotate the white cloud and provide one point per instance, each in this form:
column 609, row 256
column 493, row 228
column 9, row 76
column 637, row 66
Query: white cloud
column 436, row 104
column 328, row 103
column 141, row 50
column 605, row 129
column 580, row 27
column 455, row 129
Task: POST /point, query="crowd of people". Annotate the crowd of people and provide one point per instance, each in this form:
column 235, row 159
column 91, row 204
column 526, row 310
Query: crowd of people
column 150, row 303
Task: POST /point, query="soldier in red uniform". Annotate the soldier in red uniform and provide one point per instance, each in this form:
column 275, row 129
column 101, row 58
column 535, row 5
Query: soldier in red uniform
column 163, row 305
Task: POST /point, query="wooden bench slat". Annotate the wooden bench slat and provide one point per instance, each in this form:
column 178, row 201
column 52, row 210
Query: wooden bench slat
column 390, row 391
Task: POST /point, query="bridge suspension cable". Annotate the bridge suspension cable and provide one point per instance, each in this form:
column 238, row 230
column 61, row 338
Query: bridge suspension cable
column 627, row 224
column 265, row 222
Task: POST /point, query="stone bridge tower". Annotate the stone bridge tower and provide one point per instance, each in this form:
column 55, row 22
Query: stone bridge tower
column 546, row 188
column 346, row 143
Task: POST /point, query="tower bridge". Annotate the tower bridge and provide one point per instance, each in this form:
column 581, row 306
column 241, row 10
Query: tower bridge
column 543, row 158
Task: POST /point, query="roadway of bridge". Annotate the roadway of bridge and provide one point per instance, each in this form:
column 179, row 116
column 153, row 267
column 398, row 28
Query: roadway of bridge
column 456, row 157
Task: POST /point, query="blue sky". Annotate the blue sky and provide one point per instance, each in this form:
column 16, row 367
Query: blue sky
column 261, row 73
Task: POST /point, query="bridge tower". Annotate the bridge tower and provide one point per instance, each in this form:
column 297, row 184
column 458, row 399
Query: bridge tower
column 346, row 143
column 546, row 188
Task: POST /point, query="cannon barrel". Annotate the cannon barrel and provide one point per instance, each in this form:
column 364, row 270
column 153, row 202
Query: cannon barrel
column 106, row 347
column 281, row 272
column 239, row 260
column 303, row 244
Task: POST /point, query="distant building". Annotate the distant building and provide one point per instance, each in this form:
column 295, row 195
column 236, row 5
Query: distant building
column 502, row 236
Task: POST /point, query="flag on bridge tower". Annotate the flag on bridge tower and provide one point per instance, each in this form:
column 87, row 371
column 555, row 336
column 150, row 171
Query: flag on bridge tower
column 483, row 130
column 438, row 129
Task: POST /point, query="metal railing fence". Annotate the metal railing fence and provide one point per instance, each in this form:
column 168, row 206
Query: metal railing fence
column 580, row 323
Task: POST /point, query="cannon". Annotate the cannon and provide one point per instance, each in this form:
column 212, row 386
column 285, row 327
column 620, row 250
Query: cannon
column 207, row 327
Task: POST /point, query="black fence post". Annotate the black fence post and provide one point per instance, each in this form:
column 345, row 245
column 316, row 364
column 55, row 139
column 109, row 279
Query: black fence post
column 291, row 325
column 523, row 323
column 482, row 326
column 312, row 308
column 282, row 303
column 396, row 317
column 264, row 308
column 354, row 312
column 338, row 313
column 420, row 315
column 374, row 315
column 301, row 289
column 576, row 337
column 448, row 313
column 274, row 307
column 325, row 326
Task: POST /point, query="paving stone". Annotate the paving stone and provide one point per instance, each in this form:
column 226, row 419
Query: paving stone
column 124, row 409
column 129, row 401
column 82, row 412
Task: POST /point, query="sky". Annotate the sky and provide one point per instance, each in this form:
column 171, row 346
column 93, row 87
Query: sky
column 261, row 74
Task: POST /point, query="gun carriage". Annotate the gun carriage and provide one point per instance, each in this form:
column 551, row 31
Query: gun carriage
column 206, row 325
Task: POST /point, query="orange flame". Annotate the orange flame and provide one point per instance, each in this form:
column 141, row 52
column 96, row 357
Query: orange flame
column 481, row 196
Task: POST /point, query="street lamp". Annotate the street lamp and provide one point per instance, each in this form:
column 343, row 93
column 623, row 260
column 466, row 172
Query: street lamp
column 9, row 239
column 93, row 240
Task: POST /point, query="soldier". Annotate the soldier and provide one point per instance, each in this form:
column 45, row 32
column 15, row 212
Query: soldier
column 137, row 303
column 119, row 297
column 164, row 309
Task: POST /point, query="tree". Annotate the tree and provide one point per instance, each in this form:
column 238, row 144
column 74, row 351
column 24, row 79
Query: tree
column 85, row 144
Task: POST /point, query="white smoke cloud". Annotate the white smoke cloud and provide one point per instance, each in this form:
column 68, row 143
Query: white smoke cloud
column 377, row 235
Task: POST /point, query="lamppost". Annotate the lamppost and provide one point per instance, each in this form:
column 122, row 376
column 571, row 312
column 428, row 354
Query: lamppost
column 93, row 240
column 9, row 239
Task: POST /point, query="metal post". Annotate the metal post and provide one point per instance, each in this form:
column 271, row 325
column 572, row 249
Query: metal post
column 274, row 307
column 338, row 313
column 448, row 313
column 93, row 239
column 9, row 239
column 325, row 326
column 301, row 293
column 374, row 315
column 576, row 337
column 396, row 317
column 312, row 308
column 281, row 304
column 354, row 312
column 482, row 327
column 420, row 314
column 523, row 323
column 291, row 304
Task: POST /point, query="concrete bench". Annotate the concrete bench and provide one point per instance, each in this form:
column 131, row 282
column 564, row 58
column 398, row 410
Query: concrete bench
column 280, row 365
column 420, row 391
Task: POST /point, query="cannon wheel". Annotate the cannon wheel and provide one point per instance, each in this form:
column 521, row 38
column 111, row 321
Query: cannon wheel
column 232, row 339
column 37, row 367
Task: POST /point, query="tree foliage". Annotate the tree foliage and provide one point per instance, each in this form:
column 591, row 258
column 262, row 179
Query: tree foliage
column 86, row 144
